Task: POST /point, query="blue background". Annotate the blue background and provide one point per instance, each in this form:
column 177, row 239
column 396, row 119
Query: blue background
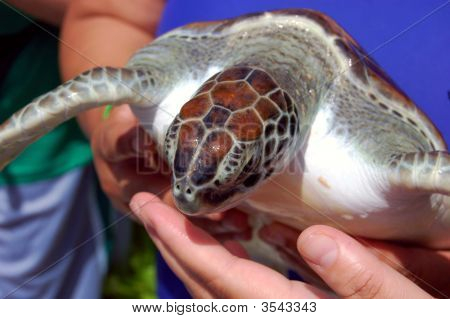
column 416, row 54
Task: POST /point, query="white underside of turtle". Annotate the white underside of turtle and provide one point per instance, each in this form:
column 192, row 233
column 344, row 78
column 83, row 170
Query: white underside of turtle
column 281, row 114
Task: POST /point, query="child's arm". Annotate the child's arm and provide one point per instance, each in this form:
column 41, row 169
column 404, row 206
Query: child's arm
column 105, row 32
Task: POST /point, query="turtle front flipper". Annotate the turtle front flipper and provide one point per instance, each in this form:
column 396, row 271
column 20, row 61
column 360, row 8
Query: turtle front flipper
column 96, row 87
column 424, row 178
column 427, row 172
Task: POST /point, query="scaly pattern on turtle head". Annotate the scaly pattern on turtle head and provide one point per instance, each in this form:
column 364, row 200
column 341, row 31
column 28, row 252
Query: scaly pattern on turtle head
column 232, row 135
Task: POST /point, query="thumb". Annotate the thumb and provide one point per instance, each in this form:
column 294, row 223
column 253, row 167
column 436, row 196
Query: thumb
column 350, row 269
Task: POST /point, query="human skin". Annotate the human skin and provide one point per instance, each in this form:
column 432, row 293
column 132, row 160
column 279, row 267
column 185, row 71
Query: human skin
column 351, row 268
column 107, row 32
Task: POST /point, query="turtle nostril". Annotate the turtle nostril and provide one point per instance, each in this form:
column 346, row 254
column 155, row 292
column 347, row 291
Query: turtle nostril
column 188, row 190
column 177, row 186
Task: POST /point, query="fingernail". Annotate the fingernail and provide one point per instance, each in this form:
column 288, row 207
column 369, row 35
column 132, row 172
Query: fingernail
column 319, row 249
column 135, row 207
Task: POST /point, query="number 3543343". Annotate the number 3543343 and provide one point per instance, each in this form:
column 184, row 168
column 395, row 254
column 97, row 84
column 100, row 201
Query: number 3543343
column 287, row 306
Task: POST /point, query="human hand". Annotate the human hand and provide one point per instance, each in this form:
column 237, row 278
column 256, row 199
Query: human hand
column 125, row 161
column 208, row 268
column 212, row 270
column 364, row 268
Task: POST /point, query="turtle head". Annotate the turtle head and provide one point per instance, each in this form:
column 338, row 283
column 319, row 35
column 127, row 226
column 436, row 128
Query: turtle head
column 230, row 137
column 211, row 171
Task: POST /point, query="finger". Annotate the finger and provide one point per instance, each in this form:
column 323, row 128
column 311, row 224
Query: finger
column 195, row 289
column 423, row 266
column 284, row 239
column 350, row 269
column 211, row 264
column 122, row 180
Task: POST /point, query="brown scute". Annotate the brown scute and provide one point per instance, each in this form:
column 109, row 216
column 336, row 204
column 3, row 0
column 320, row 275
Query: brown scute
column 214, row 150
column 216, row 117
column 245, row 125
column 189, row 138
column 218, row 144
column 196, row 107
column 278, row 98
column 234, row 74
column 233, row 95
column 261, row 82
column 201, row 25
column 205, row 87
column 266, row 109
column 190, row 134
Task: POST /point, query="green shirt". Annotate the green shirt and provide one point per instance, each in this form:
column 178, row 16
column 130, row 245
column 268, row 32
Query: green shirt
column 32, row 71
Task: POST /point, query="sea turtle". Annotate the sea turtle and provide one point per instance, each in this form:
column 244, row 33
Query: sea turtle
column 280, row 113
